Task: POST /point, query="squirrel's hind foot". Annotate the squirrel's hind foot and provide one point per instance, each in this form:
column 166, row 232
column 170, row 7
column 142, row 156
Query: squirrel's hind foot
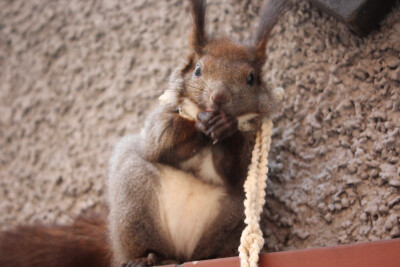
column 148, row 261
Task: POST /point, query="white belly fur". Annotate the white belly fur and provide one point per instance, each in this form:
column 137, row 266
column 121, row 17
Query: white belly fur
column 203, row 163
column 187, row 207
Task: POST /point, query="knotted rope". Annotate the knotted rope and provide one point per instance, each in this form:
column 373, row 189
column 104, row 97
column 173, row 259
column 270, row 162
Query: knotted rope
column 252, row 239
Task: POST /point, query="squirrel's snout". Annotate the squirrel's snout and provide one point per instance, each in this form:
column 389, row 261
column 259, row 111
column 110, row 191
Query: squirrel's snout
column 220, row 97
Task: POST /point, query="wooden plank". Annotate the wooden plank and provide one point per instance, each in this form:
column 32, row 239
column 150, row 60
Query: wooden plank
column 371, row 254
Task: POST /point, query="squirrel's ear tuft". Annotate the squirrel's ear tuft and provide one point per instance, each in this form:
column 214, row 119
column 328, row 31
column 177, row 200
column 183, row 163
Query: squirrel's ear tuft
column 270, row 14
column 198, row 36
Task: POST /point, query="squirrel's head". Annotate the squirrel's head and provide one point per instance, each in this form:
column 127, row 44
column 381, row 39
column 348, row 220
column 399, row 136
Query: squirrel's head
column 223, row 75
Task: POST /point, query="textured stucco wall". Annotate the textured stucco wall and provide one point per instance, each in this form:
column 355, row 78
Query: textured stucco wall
column 77, row 75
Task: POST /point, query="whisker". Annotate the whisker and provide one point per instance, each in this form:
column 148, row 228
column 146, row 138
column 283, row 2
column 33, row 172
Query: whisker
column 206, row 85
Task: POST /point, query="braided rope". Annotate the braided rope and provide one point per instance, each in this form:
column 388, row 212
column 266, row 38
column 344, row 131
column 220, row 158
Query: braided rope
column 252, row 241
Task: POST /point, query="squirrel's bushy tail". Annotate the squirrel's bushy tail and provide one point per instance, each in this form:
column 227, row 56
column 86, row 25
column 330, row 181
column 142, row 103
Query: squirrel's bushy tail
column 82, row 244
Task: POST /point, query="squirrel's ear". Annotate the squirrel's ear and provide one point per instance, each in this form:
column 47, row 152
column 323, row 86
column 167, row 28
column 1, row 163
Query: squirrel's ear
column 270, row 14
column 198, row 36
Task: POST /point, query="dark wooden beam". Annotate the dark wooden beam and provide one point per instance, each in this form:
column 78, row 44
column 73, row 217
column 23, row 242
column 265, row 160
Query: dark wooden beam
column 361, row 16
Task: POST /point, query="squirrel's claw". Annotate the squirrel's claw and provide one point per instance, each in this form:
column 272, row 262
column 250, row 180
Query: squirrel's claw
column 217, row 126
column 222, row 126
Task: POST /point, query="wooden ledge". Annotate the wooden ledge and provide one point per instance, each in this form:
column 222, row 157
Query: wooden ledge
column 371, row 254
column 361, row 16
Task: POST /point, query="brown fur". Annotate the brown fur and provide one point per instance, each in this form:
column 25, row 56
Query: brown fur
column 169, row 139
column 168, row 142
column 82, row 244
column 198, row 36
column 269, row 16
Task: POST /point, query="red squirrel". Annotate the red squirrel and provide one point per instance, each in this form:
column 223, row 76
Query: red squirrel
column 175, row 190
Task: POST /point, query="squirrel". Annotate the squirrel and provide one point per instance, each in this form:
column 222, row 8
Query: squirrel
column 175, row 190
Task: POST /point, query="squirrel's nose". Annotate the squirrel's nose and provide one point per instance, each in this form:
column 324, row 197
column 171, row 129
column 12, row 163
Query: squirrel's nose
column 220, row 97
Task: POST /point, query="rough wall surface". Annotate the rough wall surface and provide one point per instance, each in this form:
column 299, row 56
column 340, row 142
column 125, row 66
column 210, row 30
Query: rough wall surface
column 77, row 75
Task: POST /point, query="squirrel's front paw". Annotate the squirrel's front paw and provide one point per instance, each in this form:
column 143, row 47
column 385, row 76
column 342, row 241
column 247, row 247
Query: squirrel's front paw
column 216, row 126
column 202, row 120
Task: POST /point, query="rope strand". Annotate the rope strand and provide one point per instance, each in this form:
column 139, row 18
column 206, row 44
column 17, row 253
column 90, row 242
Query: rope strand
column 252, row 240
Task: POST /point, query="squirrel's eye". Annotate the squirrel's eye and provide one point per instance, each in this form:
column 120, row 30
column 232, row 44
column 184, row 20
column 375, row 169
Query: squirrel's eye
column 250, row 79
column 197, row 70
